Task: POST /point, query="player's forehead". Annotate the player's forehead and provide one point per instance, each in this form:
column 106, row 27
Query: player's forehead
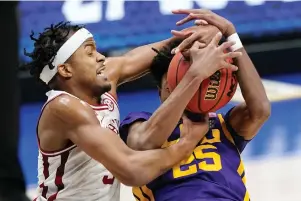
column 78, row 54
column 89, row 41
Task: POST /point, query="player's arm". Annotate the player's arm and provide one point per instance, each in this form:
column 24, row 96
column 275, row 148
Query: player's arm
column 147, row 134
column 136, row 63
column 247, row 118
column 134, row 168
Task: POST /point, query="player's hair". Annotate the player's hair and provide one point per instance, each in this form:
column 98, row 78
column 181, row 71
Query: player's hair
column 47, row 45
column 160, row 64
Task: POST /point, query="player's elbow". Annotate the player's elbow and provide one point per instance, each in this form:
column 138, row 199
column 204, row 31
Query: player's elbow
column 134, row 175
column 263, row 111
column 145, row 141
column 142, row 145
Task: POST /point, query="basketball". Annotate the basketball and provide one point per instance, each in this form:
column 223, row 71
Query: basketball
column 213, row 93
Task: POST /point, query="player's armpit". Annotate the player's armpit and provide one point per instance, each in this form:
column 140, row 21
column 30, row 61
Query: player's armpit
column 243, row 123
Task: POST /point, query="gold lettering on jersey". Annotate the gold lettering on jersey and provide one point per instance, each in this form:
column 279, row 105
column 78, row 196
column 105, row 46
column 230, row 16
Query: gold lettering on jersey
column 205, row 150
column 216, row 137
column 177, row 172
column 213, row 87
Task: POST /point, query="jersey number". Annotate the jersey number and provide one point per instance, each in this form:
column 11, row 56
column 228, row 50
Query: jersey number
column 203, row 152
column 107, row 180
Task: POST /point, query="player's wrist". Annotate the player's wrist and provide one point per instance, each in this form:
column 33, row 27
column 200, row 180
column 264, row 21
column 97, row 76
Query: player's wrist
column 238, row 44
column 194, row 75
column 230, row 30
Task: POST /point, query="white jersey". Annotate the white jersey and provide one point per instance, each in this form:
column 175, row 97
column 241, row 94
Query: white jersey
column 70, row 174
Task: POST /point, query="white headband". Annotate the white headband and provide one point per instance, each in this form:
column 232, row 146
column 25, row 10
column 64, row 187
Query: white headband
column 67, row 49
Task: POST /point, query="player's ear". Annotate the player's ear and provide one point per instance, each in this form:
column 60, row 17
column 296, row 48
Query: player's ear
column 65, row 70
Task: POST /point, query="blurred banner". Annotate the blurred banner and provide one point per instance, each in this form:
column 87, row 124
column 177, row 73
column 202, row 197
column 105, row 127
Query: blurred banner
column 120, row 23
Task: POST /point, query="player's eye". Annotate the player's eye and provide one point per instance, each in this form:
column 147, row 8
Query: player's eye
column 89, row 51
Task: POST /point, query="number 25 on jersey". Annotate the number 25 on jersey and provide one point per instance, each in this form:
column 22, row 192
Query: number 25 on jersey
column 197, row 160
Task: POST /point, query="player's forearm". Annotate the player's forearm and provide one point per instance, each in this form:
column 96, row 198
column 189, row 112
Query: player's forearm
column 252, row 87
column 158, row 128
column 138, row 60
column 148, row 165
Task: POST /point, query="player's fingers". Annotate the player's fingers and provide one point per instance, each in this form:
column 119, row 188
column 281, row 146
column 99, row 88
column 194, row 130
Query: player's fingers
column 184, row 20
column 196, row 45
column 216, row 39
column 229, row 66
column 209, row 17
column 223, row 47
column 181, row 34
column 187, row 43
column 200, row 22
column 185, row 11
column 232, row 55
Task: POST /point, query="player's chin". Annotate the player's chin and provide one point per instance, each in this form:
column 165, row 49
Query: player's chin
column 105, row 86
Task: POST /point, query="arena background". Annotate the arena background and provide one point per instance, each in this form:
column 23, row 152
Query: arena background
column 270, row 32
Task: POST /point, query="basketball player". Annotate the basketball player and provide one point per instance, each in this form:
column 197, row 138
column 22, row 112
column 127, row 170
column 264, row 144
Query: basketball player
column 215, row 171
column 80, row 150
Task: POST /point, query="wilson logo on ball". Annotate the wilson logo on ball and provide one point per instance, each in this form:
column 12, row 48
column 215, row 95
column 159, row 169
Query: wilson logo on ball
column 213, row 86
column 214, row 92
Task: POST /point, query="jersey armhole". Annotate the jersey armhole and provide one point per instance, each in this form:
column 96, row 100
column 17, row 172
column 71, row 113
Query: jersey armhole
column 69, row 146
column 225, row 129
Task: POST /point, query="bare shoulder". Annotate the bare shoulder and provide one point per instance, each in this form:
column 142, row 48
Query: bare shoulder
column 70, row 111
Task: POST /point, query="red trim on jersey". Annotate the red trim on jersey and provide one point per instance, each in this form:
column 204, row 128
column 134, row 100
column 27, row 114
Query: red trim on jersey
column 57, row 153
column 114, row 99
column 68, row 145
column 59, row 175
column 37, row 133
column 46, row 175
column 100, row 108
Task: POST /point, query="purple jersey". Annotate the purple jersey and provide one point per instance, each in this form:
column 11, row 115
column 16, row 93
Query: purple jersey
column 214, row 171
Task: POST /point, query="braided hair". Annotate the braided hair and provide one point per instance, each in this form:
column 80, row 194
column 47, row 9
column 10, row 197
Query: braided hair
column 47, row 45
column 161, row 61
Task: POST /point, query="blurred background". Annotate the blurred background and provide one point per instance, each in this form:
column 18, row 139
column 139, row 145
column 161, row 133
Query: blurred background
column 270, row 32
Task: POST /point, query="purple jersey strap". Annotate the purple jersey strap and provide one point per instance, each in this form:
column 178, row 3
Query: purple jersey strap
column 129, row 120
column 239, row 141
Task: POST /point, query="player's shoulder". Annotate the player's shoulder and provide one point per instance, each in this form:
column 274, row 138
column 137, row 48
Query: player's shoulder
column 68, row 108
column 65, row 102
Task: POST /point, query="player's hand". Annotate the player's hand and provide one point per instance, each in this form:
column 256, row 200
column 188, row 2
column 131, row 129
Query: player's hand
column 208, row 60
column 203, row 34
column 203, row 16
column 193, row 132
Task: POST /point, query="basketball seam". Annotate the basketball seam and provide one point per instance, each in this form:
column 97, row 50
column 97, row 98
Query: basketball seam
column 178, row 70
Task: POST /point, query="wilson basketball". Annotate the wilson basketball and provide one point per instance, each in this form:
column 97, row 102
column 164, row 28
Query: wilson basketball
column 214, row 92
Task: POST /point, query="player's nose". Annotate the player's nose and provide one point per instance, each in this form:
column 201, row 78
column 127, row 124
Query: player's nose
column 100, row 57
